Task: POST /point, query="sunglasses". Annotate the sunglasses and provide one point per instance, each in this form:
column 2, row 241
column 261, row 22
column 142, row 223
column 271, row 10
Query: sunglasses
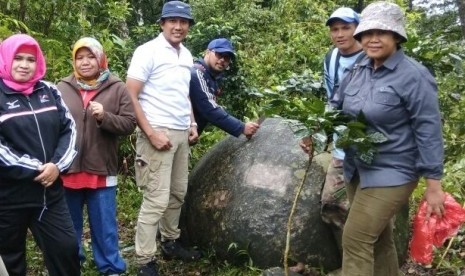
column 225, row 56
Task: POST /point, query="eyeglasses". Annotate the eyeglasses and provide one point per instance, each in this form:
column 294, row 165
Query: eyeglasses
column 225, row 56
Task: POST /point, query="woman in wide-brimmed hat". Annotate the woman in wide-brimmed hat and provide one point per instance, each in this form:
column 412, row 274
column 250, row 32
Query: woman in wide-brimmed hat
column 398, row 98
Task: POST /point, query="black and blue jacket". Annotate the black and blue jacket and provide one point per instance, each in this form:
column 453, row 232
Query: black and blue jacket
column 203, row 92
column 34, row 130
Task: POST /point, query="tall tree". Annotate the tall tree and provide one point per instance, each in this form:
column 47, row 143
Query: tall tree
column 461, row 8
column 360, row 5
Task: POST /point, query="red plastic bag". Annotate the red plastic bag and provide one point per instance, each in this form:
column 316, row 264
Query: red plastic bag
column 421, row 245
column 436, row 230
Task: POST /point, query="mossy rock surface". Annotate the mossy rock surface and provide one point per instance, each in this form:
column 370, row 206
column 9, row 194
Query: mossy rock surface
column 241, row 193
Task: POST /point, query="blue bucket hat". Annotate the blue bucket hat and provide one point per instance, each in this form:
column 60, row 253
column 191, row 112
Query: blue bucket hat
column 347, row 15
column 222, row 45
column 177, row 9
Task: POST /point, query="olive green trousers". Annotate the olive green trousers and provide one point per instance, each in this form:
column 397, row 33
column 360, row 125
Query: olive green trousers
column 367, row 240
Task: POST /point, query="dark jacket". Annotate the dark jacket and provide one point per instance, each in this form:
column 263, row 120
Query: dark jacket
column 97, row 143
column 203, row 92
column 34, row 130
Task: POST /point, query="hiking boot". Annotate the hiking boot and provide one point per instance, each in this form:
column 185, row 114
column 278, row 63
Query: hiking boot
column 148, row 269
column 172, row 249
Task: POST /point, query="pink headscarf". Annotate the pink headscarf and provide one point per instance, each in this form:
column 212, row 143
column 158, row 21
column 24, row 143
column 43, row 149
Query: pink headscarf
column 8, row 49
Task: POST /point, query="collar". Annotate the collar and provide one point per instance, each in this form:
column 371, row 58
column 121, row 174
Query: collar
column 390, row 63
column 8, row 90
column 167, row 44
column 201, row 62
column 72, row 81
column 394, row 59
column 351, row 54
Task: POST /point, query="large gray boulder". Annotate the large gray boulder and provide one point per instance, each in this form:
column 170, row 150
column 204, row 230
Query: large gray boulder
column 241, row 193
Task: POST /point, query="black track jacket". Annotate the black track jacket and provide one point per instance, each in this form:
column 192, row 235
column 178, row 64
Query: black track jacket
column 34, row 130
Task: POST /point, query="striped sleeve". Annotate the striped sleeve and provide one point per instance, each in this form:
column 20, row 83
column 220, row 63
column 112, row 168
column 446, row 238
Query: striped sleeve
column 65, row 151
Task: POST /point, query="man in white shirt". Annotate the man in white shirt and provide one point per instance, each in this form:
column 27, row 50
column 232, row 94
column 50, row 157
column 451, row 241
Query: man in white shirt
column 158, row 82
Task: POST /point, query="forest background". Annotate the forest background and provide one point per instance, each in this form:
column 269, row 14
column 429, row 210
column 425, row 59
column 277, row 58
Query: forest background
column 280, row 46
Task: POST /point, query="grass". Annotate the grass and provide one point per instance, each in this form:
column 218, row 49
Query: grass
column 129, row 200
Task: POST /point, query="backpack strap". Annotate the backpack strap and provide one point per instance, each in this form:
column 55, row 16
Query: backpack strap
column 328, row 58
column 359, row 58
column 336, row 66
column 356, row 64
column 332, row 66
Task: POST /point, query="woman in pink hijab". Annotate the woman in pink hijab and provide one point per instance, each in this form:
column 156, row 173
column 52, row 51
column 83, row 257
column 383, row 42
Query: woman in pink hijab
column 37, row 139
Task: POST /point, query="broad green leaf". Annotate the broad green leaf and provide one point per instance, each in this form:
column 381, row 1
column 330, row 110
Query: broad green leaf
column 377, row 137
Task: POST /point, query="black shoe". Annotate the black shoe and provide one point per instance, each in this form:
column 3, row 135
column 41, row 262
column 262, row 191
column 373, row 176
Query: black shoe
column 148, row 269
column 172, row 249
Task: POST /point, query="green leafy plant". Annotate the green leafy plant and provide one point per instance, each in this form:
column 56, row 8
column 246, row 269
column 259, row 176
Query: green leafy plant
column 300, row 99
column 355, row 134
column 275, row 40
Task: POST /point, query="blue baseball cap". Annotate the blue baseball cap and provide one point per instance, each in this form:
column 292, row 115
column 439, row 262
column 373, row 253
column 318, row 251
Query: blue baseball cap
column 347, row 15
column 177, row 9
column 222, row 45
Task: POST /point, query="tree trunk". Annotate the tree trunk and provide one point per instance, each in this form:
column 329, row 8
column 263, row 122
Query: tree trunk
column 51, row 16
column 360, row 6
column 461, row 7
column 22, row 10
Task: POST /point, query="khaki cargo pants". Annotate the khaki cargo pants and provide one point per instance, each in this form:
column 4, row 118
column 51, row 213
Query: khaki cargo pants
column 162, row 178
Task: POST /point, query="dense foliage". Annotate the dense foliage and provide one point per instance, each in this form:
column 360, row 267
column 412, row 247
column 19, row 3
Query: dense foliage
column 280, row 45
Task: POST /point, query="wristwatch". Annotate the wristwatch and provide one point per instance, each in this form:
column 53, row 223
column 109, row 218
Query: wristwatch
column 194, row 124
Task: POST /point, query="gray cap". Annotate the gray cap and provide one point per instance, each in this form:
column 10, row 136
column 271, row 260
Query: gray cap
column 382, row 16
column 347, row 15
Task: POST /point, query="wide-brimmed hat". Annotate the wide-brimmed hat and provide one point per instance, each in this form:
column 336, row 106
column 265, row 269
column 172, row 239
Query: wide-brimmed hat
column 344, row 14
column 382, row 16
column 222, row 45
column 177, row 9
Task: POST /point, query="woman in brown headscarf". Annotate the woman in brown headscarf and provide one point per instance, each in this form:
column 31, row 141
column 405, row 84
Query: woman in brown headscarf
column 103, row 112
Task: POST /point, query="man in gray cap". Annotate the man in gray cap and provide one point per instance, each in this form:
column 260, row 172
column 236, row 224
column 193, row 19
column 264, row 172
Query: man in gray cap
column 204, row 89
column 338, row 61
column 342, row 24
column 158, row 82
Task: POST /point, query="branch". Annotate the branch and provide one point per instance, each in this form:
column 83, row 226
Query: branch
column 289, row 221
